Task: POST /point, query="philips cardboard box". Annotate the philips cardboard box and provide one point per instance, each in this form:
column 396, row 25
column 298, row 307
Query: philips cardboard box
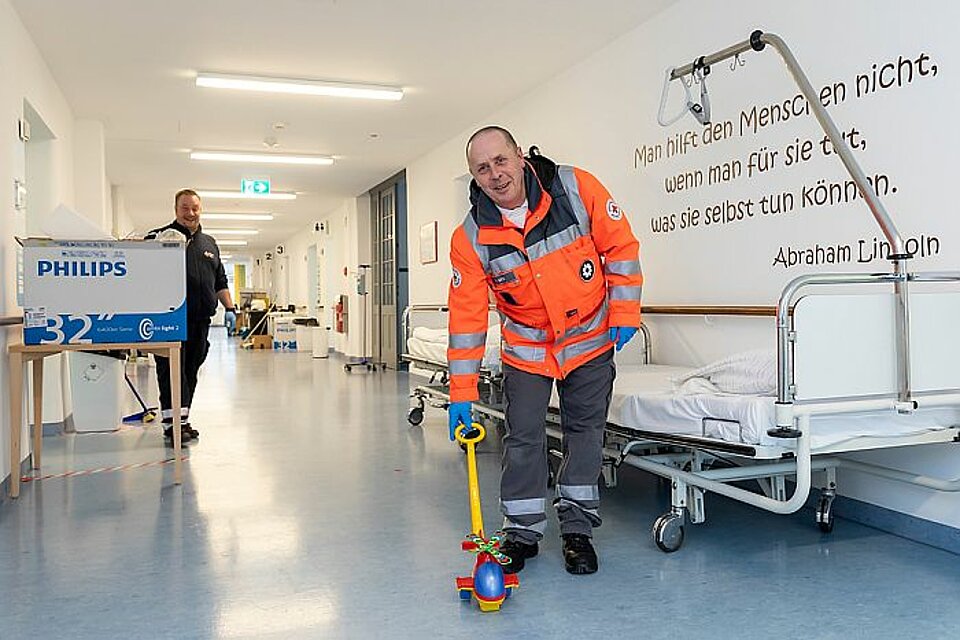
column 103, row 291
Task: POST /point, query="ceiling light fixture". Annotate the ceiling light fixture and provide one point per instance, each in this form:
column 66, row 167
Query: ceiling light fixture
column 232, row 243
column 259, row 158
column 247, row 217
column 297, row 86
column 239, row 195
column 231, row 232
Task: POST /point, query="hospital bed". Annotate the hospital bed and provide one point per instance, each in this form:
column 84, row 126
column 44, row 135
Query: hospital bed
column 830, row 388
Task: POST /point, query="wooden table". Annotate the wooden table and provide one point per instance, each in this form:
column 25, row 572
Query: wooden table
column 20, row 354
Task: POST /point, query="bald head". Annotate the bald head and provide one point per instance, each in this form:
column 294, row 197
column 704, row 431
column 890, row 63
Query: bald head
column 507, row 136
column 496, row 163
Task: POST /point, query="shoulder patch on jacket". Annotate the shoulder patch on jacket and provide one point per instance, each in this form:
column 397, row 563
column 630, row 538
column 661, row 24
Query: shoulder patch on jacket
column 614, row 210
column 456, row 279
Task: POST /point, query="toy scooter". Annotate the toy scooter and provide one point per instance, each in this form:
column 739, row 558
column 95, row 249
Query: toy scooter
column 488, row 584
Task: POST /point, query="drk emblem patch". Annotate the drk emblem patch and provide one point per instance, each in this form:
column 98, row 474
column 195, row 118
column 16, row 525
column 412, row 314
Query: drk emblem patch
column 614, row 210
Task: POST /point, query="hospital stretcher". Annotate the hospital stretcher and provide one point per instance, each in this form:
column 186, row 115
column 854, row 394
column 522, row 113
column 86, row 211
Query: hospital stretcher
column 430, row 355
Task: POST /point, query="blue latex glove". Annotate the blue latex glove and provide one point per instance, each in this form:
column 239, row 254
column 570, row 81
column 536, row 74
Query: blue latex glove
column 230, row 321
column 622, row 335
column 459, row 413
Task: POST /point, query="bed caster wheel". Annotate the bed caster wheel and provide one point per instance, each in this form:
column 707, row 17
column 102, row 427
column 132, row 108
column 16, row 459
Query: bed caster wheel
column 825, row 511
column 415, row 415
column 371, row 367
column 347, row 368
column 668, row 532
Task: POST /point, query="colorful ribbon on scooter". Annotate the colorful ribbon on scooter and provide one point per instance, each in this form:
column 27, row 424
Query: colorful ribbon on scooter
column 491, row 546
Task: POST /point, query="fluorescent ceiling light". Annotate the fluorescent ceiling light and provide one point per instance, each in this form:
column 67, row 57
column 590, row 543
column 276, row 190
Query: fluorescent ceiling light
column 259, row 217
column 259, row 158
column 302, row 87
column 232, row 243
column 231, row 232
column 226, row 256
column 239, row 195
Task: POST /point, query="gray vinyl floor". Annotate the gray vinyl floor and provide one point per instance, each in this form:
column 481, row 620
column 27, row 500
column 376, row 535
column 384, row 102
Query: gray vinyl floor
column 311, row 509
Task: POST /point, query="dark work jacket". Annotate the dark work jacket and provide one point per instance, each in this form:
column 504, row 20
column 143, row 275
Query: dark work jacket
column 205, row 274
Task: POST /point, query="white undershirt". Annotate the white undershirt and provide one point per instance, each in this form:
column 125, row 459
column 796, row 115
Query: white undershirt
column 518, row 216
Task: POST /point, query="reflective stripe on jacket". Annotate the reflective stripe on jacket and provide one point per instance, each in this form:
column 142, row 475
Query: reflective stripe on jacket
column 559, row 283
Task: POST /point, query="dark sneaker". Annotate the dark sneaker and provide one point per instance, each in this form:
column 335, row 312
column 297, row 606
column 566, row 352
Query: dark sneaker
column 518, row 552
column 185, row 435
column 578, row 554
column 185, row 425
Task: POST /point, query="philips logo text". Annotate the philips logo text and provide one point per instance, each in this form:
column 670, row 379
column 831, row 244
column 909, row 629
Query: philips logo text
column 81, row 268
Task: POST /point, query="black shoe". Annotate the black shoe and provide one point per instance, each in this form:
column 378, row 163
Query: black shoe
column 578, row 554
column 185, row 425
column 518, row 552
column 185, row 435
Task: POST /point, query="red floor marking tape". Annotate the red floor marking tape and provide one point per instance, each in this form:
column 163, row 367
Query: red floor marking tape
column 90, row 472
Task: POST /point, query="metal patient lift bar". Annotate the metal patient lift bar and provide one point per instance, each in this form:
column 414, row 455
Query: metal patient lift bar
column 698, row 70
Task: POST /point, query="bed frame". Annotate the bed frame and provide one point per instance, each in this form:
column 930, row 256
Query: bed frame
column 841, row 359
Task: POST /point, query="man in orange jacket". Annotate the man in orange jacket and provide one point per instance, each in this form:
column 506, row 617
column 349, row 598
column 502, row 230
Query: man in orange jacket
column 564, row 268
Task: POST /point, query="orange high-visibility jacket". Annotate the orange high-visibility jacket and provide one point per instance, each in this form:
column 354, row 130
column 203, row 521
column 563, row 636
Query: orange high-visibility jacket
column 560, row 283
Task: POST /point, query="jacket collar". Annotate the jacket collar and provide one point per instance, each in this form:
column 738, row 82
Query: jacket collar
column 182, row 229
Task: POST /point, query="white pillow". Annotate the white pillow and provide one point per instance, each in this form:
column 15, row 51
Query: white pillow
column 748, row 373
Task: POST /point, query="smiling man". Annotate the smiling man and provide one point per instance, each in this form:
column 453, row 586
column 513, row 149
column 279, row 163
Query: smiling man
column 564, row 268
column 206, row 285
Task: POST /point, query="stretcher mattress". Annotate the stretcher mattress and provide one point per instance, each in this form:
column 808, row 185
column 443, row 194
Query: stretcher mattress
column 431, row 345
column 645, row 398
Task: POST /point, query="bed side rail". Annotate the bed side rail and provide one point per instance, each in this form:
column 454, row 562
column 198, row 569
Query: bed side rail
column 853, row 346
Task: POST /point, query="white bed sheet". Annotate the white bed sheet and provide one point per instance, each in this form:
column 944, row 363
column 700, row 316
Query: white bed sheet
column 436, row 350
column 644, row 398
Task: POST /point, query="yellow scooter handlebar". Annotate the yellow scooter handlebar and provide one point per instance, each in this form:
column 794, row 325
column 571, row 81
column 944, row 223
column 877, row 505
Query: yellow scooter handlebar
column 463, row 439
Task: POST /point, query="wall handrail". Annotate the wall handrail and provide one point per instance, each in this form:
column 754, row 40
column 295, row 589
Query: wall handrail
column 708, row 310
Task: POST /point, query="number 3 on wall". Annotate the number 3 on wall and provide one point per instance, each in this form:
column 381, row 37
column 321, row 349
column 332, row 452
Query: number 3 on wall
column 60, row 336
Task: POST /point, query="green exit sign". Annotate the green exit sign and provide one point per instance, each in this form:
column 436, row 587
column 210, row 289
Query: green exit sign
column 255, row 187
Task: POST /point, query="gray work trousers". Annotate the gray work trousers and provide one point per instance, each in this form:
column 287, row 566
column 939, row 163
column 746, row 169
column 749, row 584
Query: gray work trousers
column 584, row 401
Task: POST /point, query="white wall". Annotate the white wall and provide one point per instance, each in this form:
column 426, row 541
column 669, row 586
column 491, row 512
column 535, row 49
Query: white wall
column 24, row 76
column 341, row 247
column 92, row 190
column 599, row 113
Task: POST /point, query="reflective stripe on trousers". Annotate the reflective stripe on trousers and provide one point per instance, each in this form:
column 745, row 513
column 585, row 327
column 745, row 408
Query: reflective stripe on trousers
column 585, row 498
column 525, row 515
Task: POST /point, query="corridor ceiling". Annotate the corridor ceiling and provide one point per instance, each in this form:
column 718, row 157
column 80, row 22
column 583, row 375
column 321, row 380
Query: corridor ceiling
column 131, row 64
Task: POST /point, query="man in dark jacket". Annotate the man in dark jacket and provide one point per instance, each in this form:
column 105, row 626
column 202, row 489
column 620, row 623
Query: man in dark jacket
column 206, row 285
